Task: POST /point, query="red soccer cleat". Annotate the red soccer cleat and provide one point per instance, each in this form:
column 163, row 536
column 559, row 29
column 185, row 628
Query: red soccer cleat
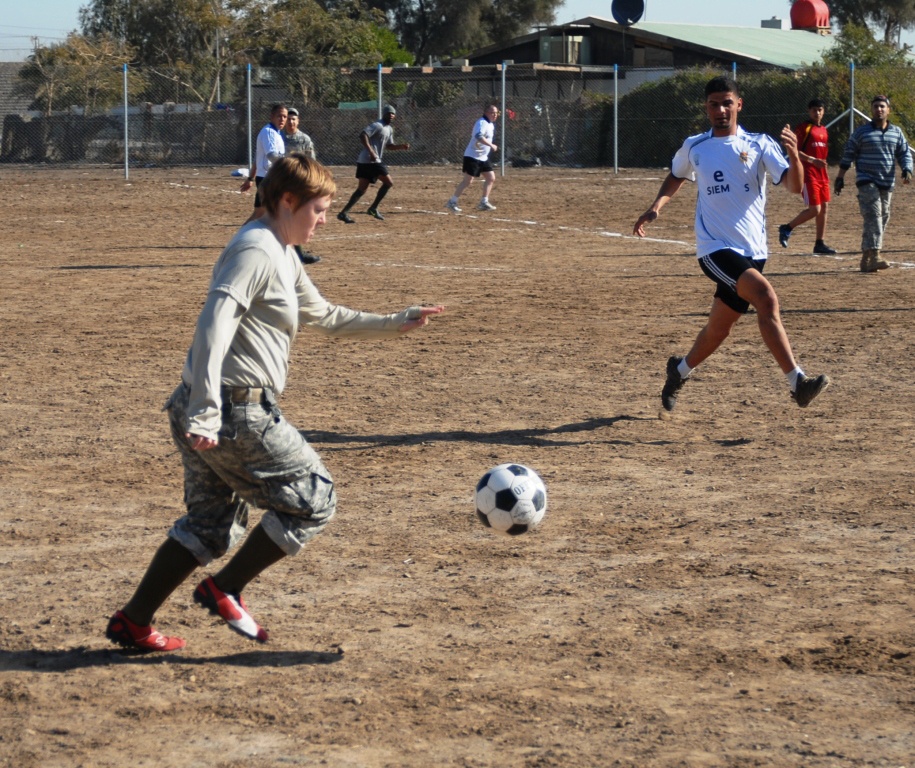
column 125, row 633
column 230, row 608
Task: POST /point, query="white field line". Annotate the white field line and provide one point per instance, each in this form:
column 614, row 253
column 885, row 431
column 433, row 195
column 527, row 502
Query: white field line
column 644, row 239
column 433, row 268
column 525, row 222
column 608, row 178
column 852, row 258
column 205, row 188
column 321, row 236
column 580, row 230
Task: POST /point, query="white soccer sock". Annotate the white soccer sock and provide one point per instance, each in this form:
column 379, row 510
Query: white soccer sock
column 793, row 376
column 484, row 199
column 683, row 369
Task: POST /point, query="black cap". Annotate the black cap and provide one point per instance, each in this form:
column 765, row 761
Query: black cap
column 880, row 97
column 293, row 112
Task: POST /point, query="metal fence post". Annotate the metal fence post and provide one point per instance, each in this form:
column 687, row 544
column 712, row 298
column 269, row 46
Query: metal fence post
column 218, row 68
column 616, row 119
column 734, row 71
column 504, row 114
column 851, row 102
column 126, row 134
column 380, row 92
column 250, row 155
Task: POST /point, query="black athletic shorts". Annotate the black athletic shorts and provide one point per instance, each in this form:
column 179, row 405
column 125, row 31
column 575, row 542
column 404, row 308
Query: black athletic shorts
column 371, row 171
column 474, row 167
column 257, row 194
column 725, row 267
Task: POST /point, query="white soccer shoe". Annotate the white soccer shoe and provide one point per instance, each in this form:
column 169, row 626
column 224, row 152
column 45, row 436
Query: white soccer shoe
column 485, row 205
column 453, row 207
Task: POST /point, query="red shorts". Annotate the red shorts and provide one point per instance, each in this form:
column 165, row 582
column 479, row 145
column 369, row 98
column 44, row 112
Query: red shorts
column 816, row 186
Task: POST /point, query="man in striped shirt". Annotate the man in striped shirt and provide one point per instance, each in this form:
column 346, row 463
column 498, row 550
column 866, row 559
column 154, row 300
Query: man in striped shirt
column 875, row 148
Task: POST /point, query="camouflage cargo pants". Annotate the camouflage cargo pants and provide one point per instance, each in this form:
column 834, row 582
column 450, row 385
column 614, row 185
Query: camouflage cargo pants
column 261, row 461
column 875, row 208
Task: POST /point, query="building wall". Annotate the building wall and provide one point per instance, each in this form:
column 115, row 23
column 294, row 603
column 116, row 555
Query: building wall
column 608, row 47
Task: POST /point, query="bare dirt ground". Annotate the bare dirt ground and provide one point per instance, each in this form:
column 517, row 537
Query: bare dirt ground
column 729, row 587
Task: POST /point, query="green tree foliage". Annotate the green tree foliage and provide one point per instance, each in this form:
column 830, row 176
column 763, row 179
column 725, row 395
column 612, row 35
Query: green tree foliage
column 300, row 33
column 771, row 100
column 856, row 43
column 446, row 28
column 306, row 45
column 683, row 115
column 188, row 45
column 80, row 71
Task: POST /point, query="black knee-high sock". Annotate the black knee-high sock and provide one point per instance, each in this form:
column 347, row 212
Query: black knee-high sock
column 170, row 566
column 354, row 198
column 257, row 554
column 380, row 196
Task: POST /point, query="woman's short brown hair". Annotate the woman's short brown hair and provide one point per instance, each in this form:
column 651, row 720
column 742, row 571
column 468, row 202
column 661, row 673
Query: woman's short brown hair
column 299, row 175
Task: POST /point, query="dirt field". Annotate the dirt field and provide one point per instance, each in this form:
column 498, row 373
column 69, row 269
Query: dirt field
column 730, row 587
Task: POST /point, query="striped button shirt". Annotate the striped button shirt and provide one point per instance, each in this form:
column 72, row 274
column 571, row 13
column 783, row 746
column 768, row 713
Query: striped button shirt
column 873, row 151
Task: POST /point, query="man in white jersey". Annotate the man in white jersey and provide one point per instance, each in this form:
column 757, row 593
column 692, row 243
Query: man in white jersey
column 476, row 160
column 729, row 166
column 270, row 147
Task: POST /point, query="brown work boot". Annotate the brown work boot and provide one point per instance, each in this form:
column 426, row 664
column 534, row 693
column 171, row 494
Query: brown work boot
column 878, row 262
column 867, row 261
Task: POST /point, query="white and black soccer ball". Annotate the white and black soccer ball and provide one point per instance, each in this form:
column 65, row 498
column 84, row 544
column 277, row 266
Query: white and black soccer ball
column 511, row 499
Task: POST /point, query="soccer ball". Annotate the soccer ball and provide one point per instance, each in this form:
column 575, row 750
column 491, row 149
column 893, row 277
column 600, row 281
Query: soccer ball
column 511, row 499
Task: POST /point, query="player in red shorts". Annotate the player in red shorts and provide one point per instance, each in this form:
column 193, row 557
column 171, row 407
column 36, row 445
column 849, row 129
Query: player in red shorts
column 813, row 147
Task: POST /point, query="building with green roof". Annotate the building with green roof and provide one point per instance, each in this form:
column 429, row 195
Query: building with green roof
column 594, row 41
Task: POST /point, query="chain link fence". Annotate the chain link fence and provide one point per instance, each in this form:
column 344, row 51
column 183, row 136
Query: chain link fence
column 552, row 115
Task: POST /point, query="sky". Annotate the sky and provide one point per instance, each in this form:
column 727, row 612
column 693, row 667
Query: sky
column 51, row 20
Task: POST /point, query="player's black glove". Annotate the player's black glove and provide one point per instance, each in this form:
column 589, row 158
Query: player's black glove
column 838, row 185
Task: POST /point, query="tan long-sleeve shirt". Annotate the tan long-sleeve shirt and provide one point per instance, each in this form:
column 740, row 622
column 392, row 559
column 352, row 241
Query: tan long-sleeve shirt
column 258, row 297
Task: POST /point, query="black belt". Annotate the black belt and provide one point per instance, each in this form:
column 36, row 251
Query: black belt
column 247, row 394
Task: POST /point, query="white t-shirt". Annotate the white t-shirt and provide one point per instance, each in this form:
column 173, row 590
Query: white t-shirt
column 476, row 149
column 269, row 141
column 730, row 172
column 259, row 295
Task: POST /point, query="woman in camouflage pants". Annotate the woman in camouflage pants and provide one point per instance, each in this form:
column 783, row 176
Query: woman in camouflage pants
column 237, row 448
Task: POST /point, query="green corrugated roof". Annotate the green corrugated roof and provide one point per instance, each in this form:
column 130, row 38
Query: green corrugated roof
column 788, row 48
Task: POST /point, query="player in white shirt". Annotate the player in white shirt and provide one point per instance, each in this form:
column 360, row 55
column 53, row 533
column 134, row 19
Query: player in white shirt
column 269, row 148
column 476, row 160
column 729, row 166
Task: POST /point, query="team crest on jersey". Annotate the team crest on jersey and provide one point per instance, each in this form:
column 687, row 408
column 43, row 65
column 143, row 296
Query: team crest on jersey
column 744, row 157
